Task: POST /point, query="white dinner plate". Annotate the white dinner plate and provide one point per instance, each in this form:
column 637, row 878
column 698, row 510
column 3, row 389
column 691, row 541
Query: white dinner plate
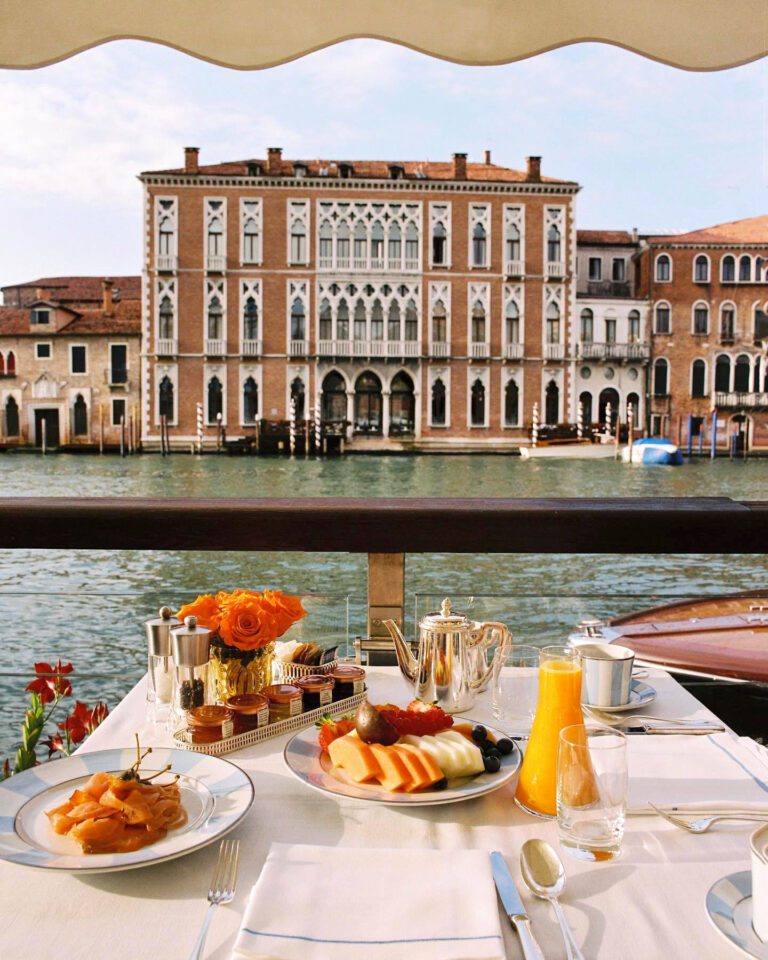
column 215, row 793
column 313, row 767
column 640, row 695
column 729, row 906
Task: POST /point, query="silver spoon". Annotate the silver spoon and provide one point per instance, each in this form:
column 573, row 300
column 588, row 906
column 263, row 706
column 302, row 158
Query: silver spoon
column 544, row 875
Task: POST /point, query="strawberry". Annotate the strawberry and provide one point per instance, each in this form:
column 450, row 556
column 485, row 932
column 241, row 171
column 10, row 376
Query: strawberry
column 330, row 729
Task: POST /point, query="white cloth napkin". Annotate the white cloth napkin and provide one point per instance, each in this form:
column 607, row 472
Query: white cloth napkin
column 735, row 776
column 317, row 903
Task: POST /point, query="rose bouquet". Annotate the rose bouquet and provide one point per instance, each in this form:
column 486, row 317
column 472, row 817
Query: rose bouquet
column 244, row 625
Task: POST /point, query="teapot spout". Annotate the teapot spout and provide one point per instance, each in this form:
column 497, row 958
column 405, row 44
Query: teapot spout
column 405, row 658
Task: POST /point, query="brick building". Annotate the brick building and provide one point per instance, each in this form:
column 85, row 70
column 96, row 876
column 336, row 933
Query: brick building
column 69, row 361
column 708, row 295
column 610, row 333
column 417, row 304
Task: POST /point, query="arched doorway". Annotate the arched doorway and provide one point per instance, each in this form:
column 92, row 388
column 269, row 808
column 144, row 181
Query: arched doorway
column 552, row 404
column 10, row 367
column 609, row 395
column 165, row 398
column 633, row 400
column 585, row 399
column 215, row 399
column 298, row 395
column 439, row 407
column 11, row 417
column 402, row 416
column 334, row 398
column 80, row 417
column 477, row 404
column 250, row 400
column 511, row 404
column 368, row 404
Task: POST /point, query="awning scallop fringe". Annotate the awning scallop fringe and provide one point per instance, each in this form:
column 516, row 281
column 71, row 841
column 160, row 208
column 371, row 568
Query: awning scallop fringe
column 253, row 34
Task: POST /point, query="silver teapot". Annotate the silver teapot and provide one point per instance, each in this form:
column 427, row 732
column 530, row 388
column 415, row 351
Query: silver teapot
column 451, row 665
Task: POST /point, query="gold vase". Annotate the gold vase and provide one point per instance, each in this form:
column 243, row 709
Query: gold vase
column 232, row 671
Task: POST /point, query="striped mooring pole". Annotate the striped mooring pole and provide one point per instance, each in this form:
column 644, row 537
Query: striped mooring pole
column 630, row 427
column 608, row 418
column 199, row 428
column 318, row 427
column 535, row 425
column 292, row 425
column 580, row 420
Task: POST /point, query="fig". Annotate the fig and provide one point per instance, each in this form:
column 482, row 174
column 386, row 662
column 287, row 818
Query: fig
column 372, row 727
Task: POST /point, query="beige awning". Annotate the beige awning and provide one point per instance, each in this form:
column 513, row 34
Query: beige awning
column 252, row 34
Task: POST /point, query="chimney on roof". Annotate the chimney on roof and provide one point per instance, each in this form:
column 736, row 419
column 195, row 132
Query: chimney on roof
column 533, row 173
column 459, row 166
column 274, row 160
column 39, row 293
column 106, row 296
column 634, row 234
column 487, row 158
column 191, row 155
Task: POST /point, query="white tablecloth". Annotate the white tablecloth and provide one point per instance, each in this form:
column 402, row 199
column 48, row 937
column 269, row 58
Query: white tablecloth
column 648, row 904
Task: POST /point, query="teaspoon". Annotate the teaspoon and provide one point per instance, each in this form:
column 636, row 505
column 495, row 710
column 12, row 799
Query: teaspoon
column 544, row 875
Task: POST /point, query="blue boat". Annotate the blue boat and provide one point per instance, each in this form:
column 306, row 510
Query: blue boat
column 653, row 450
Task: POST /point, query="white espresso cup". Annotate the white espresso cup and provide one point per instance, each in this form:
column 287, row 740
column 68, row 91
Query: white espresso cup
column 606, row 670
column 758, row 844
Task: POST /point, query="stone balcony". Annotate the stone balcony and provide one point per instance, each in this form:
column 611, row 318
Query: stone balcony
column 215, row 264
column 614, row 351
column 479, row 351
column 555, row 269
column 731, row 401
column 167, row 347
column 250, row 348
column 513, row 351
column 166, row 263
column 554, row 351
column 215, row 348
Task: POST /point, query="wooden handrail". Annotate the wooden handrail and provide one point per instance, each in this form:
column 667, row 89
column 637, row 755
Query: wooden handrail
column 647, row 526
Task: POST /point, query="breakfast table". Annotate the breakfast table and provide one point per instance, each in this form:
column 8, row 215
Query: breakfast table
column 650, row 902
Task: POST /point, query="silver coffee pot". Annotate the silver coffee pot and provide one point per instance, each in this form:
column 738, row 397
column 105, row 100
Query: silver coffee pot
column 450, row 666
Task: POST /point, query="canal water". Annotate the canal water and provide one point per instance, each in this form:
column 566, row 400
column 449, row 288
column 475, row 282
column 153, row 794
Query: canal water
column 88, row 607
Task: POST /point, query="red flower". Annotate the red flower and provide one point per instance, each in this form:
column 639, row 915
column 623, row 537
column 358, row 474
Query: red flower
column 83, row 721
column 49, row 682
column 54, row 743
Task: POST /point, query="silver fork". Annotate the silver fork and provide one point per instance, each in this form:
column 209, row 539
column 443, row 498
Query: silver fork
column 702, row 824
column 222, row 889
column 618, row 720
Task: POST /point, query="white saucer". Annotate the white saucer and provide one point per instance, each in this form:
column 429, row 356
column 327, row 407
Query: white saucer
column 729, row 906
column 640, row 694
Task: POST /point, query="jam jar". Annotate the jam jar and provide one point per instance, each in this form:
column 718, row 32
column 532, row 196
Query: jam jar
column 251, row 711
column 348, row 680
column 284, row 701
column 210, row 723
column 317, row 691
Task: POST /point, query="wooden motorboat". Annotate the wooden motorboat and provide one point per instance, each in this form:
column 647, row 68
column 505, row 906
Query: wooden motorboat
column 715, row 646
column 582, row 449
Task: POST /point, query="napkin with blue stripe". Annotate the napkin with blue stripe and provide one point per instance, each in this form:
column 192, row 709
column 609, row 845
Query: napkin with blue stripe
column 318, row 903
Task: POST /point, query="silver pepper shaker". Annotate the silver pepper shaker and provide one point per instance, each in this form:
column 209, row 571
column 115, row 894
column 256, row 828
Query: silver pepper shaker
column 160, row 665
column 191, row 647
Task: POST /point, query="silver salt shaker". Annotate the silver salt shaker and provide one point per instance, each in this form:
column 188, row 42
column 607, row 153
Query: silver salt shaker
column 191, row 645
column 159, row 665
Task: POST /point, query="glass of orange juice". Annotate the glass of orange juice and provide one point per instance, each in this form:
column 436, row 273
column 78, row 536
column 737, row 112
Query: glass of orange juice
column 559, row 706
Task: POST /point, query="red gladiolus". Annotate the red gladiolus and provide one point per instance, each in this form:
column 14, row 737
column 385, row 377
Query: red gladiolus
column 54, row 743
column 49, row 682
column 76, row 724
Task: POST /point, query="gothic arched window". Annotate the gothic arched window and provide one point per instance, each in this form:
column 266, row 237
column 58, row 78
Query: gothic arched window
column 215, row 399
column 298, row 326
column 723, row 374
column 553, row 323
column 660, row 378
column 438, row 403
column 251, row 319
column 214, row 319
column 393, row 324
column 698, row 378
column 165, row 325
column 342, row 321
column 11, row 417
column 511, row 404
column 250, row 400
column 513, row 242
column 512, row 323
column 477, row 404
column 165, row 398
column 552, row 403
column 80, row 417
column 479, row 245
column 439, row 323
column 478, row 322
column 553, row 245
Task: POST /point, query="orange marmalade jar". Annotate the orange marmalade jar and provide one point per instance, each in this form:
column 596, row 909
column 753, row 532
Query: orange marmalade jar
column 209, row 724
column 251, row 711
column 284, row 701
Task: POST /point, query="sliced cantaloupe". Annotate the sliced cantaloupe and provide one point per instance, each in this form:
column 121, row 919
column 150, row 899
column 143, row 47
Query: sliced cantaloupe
column 351, row 754
column 416, row 769
column 465, row 729
column 394, row 773
column 431, row 770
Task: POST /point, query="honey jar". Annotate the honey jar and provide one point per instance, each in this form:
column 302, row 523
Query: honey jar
column 284, row 701
column 209, row 723
column 348, row 680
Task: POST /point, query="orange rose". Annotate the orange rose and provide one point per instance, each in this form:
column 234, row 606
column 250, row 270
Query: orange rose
column 247, row 623
column 205, row 608
column 287, row 609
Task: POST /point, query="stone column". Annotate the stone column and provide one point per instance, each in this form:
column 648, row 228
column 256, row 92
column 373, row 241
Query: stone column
column 385, row 396
column 350, row 413
column 417, row 414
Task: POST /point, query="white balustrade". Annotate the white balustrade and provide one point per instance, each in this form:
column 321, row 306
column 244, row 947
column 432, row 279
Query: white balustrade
column 479, row 351
column 215, row 264
column 166, row 262
column 439, row 348
column 556, row 268
column 167, row 347
column 514, row 268
column 554, row 351
column 215, row 348
column 298, row 348
column 250, row 348
column 513, row 351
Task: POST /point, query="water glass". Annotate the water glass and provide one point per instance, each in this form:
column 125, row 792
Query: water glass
column 591, row 791
column 515, row 690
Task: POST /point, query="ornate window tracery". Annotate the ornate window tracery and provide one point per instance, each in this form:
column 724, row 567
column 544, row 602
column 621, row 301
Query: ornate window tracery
column 440, row 234
column 382, row 236
column 216, row 227
column 250, row 231
column 479, row 234
column 250, row 309
column 379, row 312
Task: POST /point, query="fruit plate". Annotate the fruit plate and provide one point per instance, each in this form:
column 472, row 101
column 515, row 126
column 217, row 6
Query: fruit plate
column 216, row 795
column 313, row 767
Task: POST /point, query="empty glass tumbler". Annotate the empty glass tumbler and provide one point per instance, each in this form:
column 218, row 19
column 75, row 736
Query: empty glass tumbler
column 591, row 791
column 515, row 689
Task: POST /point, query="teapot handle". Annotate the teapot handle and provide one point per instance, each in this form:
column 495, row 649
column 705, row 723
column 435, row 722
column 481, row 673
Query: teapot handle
column 482, row 637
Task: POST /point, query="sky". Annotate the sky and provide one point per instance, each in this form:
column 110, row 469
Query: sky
column 656, row 148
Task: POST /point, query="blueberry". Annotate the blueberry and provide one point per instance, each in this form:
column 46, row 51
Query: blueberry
column 504, row 746
column 484, row 746
column 479, row 732
column 493, row 752
column 492, row 764
column 441, row 784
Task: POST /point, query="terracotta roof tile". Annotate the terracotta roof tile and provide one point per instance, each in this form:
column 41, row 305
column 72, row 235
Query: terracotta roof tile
column 370, row 170
column 615, row 238
column 750, row 230
column 64, row 289
column 14, row 321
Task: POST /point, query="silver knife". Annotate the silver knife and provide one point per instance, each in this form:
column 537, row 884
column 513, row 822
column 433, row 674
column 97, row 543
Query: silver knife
column 514, row 908
column 653, row 730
